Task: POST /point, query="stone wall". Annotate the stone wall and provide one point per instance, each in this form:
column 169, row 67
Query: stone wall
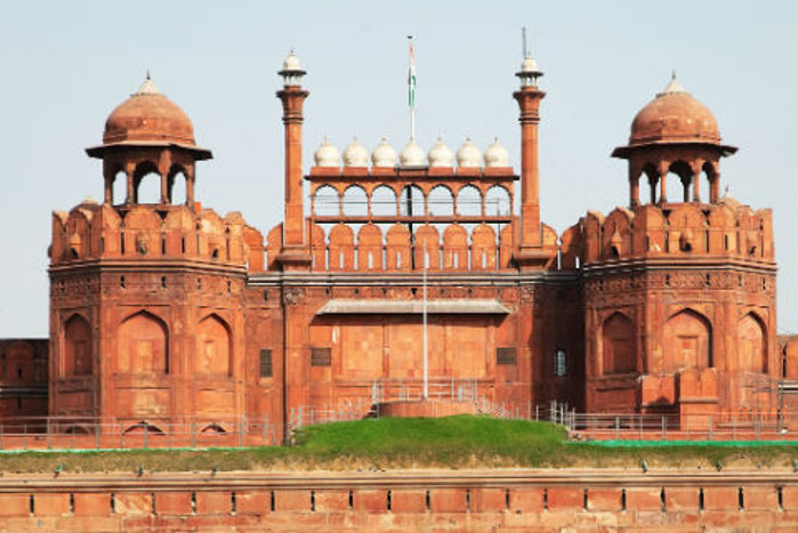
column 412, row 501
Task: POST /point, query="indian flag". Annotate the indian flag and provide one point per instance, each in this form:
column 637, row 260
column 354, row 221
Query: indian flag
column 411, row 78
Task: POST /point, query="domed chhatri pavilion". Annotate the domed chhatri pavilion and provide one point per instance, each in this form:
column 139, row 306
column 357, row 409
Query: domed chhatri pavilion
column 399, row 275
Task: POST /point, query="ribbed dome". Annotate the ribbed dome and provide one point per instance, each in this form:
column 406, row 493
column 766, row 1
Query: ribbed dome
column 497, row 155
column 148, row 115
column 383, row 156
column 674, row 116
column 412, row 155
column 468, row 155
column 440, row 155
column 356, row 155
column 327, row 155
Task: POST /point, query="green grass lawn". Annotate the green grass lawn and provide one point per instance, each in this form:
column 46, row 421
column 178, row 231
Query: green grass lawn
column 456, row 442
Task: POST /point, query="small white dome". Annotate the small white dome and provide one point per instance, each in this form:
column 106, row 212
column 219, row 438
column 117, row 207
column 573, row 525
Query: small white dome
column 529, row 65
column 292, row 62
column 412, row 155
column 469, row 156
column 497, row 155
column 440, row 155
column 327, row 155
column 356, row 155
column 383, row 156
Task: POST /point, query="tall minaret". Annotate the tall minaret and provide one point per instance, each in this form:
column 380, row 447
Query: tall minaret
column 294, row 253
column 529, row 97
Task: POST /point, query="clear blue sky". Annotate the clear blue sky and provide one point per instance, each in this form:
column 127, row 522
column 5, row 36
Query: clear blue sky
column 65, row 65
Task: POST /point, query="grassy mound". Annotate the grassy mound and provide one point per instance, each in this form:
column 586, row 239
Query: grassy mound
column 395, row 443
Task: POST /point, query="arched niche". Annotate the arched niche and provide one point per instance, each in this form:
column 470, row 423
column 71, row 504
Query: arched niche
column 77, row 347
column 213, row 347
column 143, row 345
column 687, row 342
column 326, row 201
column 469, row 201
column 355, row 203
column 383, row 202
column 752, row 345
column 618, row 345
column 441, row 201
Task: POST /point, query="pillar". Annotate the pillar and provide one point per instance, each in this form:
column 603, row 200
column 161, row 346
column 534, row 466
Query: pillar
column 529, row 98
column 634, row 188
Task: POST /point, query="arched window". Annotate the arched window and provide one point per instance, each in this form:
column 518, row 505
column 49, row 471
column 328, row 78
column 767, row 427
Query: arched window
column 383, row 202
column 497, row 201
column 411, row 201
column 119, row 188
column 147, row 184
column 679, row 178
column 326, row 202
column 469, row 201
column 355, row 202
column 441, row 201
column 177, row 187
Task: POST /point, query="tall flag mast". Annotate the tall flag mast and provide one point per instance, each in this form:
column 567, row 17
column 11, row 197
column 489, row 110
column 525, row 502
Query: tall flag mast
column 411, row 89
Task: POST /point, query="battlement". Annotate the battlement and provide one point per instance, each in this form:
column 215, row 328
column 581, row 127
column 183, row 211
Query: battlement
column 143, row 232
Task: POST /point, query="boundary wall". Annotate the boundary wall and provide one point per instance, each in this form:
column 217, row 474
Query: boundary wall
column 503, row 500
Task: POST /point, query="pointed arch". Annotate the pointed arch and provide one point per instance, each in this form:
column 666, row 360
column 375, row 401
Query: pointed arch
column 440, row 201
column 326, row 201
column 469, row 201
column 213, row 348
column 687, row 341
column 618, row 345
column 355, row 202
column 369, row 247
column 77, row 347
column 143, row 345
column 752, row 345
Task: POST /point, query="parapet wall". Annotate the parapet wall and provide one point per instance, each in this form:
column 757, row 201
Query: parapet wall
column 515, row 501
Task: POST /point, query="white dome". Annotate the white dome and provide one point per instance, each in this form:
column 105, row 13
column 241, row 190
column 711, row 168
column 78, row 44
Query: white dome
column 529, row 65
column 469, row 156
column 292, row 62
column 383, row 156
column 356, row 155
column 497, row 155
column 327, row 155
column 412, row 155
column 440, row 155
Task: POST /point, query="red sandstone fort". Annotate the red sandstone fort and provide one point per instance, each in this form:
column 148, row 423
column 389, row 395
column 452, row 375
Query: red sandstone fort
column 387, row 265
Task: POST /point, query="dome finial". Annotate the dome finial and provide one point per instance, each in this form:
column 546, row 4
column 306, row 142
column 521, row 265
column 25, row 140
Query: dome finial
column 148, row 87
column 673, row 87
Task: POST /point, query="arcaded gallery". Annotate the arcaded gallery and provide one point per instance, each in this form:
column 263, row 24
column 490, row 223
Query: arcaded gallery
column 404, row 277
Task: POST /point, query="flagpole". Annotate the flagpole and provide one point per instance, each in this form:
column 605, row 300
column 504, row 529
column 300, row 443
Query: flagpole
column 424, row 322
column 411, row 89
